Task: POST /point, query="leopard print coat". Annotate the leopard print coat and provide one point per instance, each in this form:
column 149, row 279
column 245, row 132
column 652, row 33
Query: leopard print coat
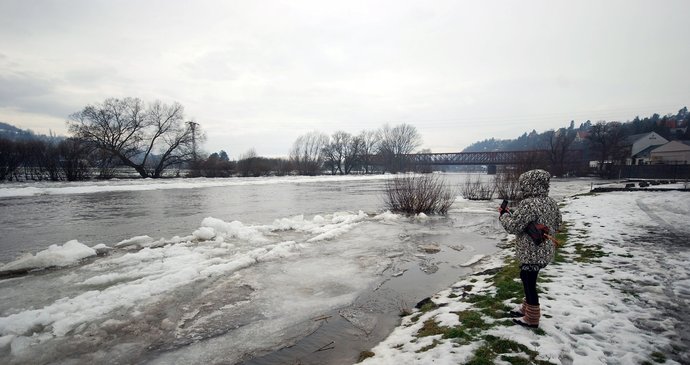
column 536, row 205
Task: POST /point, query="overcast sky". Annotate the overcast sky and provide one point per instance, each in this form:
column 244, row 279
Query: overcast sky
column 260, row 73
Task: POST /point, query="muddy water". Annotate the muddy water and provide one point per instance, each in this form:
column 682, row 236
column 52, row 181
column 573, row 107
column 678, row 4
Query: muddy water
column 343, row 334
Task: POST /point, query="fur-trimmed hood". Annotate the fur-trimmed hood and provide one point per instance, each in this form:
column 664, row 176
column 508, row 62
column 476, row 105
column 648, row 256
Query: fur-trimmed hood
column 534, row 183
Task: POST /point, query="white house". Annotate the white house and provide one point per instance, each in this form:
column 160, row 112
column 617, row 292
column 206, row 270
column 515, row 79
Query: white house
column 640, row 146
column 674, row 152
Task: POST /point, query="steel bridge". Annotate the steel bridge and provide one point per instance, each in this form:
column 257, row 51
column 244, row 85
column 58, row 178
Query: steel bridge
column 476, row 158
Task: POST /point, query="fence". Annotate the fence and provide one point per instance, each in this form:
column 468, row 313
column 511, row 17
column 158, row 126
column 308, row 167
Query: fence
column 650, row 171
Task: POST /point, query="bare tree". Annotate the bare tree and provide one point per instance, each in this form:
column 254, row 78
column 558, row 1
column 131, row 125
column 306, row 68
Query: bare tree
column 246, row 162
column 558, row 143
column 147, row 139
column 606, row 140
column 395, row 143
column 370, row 141
column 306, row 154
column 10, row 158
column 73, row 161
column 336, row 151
column 353, row 154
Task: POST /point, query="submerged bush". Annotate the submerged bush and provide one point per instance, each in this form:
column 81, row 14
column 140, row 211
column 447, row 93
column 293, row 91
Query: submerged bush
column 414, row 194
column 478, row 190
column 507, row 186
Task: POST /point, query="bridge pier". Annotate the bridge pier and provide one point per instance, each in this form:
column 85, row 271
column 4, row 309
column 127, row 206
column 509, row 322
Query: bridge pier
column 491, row 169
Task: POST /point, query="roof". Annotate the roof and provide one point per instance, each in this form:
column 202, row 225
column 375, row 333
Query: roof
column 673, row 146
column 645, row 152
column 634, row 137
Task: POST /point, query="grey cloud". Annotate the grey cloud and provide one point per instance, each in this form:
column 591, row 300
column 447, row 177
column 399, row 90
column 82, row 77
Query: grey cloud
column 33, row 95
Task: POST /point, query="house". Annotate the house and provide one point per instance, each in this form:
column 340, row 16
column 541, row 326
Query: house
column 639, row 145
column 643, row 157
column 674, row 152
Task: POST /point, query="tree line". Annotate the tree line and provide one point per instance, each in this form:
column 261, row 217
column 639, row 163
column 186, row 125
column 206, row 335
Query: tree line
column 601, row 141
column 154, row 138
column 315, row 153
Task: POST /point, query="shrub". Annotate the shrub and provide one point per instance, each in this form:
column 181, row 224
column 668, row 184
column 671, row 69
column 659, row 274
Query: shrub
column 478, row 190
column 414, row 194
column 507, row 186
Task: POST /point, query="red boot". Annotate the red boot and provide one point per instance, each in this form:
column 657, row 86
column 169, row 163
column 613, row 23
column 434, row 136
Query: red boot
column 531, row 318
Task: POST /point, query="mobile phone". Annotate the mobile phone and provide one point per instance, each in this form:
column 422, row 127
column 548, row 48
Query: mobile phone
column 504, row 204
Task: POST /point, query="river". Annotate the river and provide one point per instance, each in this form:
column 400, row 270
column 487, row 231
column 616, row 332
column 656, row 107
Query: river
column 260, row 271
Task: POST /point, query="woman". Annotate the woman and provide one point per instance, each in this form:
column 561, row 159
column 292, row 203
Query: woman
column 538, row 208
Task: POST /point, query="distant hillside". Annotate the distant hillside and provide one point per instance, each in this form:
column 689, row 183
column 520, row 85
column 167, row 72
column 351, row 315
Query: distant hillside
column 670, row 126
column 8, row 131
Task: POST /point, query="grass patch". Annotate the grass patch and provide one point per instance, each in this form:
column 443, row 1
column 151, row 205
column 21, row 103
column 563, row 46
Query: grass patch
column 365, row 355
column 431, row 328
column 429, row 347
column 428, row 307
column 562, row 237
column 658, row 357
column 471, row 320
column 588, row 253
column 494, row 346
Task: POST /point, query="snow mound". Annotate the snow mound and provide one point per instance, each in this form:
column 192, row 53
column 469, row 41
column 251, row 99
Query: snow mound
column 137, row 241
column 55, row 255
column 204, row 234
column 234, row 229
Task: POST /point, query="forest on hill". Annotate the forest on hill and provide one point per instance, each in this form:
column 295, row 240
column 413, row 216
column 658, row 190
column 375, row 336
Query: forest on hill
column 670, row 126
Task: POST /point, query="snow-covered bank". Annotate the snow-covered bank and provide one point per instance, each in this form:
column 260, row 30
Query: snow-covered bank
column 618, row 293
column 86, row 187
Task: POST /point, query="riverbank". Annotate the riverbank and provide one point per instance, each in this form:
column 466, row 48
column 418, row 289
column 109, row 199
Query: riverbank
column 617, row 293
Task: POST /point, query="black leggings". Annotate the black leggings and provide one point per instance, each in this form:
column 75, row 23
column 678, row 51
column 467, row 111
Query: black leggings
column 529, row 283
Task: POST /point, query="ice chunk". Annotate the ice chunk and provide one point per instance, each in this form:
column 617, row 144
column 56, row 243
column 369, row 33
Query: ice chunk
column 234, row 229
column 204, row 234
column 55, row 255
column 101, row 249
column 430, row 248
column 137, row 241
column 387, row 216
column 6, row 340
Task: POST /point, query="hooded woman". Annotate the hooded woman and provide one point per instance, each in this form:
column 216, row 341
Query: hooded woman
column 538, row 208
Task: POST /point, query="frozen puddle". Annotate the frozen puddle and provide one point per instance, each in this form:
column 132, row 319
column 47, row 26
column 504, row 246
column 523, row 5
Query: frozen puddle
column 231, row 292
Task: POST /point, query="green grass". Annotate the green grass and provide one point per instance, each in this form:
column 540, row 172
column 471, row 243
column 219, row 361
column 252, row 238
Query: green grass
column 365, row 355
column 429, row 347
column 658, row 357
column 428, row 307
column 562, row 237
column 494, row 346
column 431, row 328
column 588, row 253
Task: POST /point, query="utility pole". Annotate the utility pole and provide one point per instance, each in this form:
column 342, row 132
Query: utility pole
column 192, row 126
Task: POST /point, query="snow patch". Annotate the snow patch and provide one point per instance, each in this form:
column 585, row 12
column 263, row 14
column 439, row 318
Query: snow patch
column 137, row 241
column 68, row 254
